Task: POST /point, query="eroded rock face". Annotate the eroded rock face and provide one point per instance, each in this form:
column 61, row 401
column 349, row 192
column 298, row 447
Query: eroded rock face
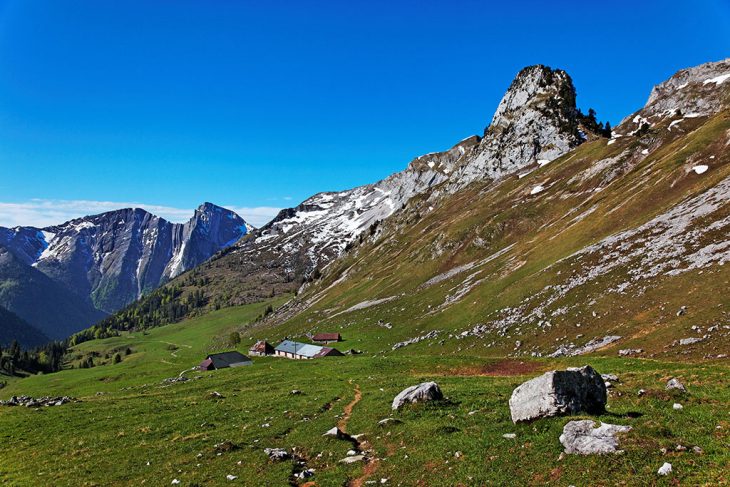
column 696, row 91
column 558, row 393
column 426, row 391
column 536, row 120
column 581, row 437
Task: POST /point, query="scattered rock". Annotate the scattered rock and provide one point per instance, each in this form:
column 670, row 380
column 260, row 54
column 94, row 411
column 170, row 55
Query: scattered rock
column 231, row 477
column 277, row 454
column 216, row 395
column 674, row 383
column 665, row 469
column 641, row 392
column 305, row 474
column 557, row 393
column 351, row 453
column 337, row 433
column 426, row 391
column 697, row 450
column 690, row 341
column 571, row 350
column 224, row 447
column 353, row 459
column 682, row 311
column 173, row 380
column 610, row 377
column 630, row 351
column 582, row 438
column 509, row 436
column 676, row 406
column 389, row 421
column 295, row 392
column 428, row 336
column 175, row 482
column 31, row 402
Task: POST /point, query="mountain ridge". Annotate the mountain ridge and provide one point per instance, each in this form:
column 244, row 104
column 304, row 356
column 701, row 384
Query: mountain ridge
column 111, row 259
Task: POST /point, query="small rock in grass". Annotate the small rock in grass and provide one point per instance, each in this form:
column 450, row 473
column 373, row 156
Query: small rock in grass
column 295, row 392
column 175, row 482
column 387, row 421
column 509, row 435
column 231, row 477
column 277, row 454
column 582, row 438
column 665, row 469
column 676, row 406
column 426, row 391
column 337, row 433
column 675, row 384
column 641, row 392
column 351, row 453
column 353, row 459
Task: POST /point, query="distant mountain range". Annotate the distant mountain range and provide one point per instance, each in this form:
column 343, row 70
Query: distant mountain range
column 63, row 278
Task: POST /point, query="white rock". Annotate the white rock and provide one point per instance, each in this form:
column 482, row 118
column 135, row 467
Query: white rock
column 582, row 438
column 676, row 406
column 231, row 477
column 665, row 469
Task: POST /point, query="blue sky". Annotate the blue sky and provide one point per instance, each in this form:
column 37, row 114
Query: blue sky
column 258, row 105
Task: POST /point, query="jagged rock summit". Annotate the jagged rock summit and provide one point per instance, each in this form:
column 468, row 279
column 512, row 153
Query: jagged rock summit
column 535, row 121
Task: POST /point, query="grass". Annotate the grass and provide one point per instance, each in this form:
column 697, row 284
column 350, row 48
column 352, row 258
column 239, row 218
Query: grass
column 109, row 438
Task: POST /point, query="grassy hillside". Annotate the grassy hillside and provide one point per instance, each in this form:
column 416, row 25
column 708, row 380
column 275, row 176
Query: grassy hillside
column 620, row 237
column 131, row 428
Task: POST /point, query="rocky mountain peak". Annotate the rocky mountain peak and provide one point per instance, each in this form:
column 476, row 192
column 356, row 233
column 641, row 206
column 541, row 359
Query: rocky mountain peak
column 699, row 91
column 536, row 120
column 536, row 88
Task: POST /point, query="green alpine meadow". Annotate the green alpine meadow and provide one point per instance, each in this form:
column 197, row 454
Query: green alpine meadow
column 223, row 261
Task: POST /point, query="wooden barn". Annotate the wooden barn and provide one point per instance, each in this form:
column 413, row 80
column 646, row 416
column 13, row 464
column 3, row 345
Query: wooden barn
column 326, row 337
column 261, row 348
column 224, row 360
column 304, row 351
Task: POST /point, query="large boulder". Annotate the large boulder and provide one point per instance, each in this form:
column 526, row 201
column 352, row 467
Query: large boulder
column 426, row 391
column 559, row 392
column 582, row 438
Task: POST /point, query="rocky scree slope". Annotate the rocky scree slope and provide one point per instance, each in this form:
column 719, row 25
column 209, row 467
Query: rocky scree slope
column 535, row 122
column 618, row 245
column 111, row 259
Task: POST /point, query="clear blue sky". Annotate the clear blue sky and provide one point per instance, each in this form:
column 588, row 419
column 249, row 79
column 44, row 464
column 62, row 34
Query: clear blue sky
column 261, row 104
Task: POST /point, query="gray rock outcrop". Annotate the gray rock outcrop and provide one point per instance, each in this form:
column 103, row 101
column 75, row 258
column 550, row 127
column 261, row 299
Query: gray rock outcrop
column 581, row 437
column 426, row 391
column 558, row 393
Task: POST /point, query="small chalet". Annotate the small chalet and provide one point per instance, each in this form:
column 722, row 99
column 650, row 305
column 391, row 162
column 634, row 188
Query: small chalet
column 326, row 337
column 304, row 351
column 261, row 348
column 224, row 360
